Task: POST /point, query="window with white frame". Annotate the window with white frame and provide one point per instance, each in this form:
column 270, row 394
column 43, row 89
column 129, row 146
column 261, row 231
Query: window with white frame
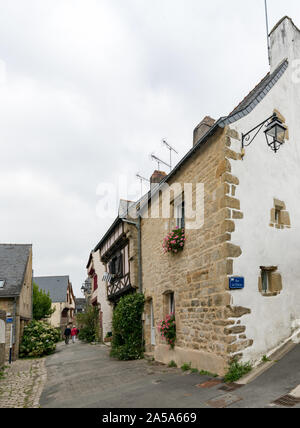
column 179, row 214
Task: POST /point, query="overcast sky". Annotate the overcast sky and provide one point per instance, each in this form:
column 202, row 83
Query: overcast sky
column 92, row 86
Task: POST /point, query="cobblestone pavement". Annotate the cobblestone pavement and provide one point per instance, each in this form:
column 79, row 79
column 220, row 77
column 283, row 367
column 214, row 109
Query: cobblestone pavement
column 23, row 384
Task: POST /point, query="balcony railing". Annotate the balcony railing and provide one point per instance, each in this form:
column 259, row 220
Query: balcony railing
column 119, row 286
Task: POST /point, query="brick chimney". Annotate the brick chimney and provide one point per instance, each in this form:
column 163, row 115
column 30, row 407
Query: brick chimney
column 157, row 177
column 203, row 127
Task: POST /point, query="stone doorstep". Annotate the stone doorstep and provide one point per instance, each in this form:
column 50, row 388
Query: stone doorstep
column 263, row 367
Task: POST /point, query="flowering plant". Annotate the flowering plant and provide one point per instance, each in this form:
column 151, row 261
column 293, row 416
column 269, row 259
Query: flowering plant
column 174, row 241
column 39, row 339
column 167, row 329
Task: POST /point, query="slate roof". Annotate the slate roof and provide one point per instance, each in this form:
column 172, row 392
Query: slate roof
column 57, row 286
column 257, row 94
column 13, row 264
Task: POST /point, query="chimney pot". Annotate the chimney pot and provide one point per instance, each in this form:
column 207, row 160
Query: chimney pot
column 157, row 177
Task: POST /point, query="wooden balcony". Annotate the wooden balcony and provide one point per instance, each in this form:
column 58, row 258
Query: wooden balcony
column 119, row 287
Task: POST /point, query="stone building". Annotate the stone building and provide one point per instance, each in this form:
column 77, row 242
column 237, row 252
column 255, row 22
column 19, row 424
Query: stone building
column 113, row 266
column 234, row 286
column 80, row 305
column 62, row 296
column 16, row 291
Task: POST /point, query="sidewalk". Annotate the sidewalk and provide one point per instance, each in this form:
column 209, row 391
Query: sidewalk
column 23, row 384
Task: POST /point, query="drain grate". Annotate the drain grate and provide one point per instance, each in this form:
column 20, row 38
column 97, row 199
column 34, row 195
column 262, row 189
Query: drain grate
column 287, row 401
column 230, row 387
column 223, row 401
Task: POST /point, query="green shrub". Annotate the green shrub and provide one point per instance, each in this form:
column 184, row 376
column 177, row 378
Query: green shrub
column 39, row 339
column 186, row 367
column 89, row 325
column 41, row 304
column 172, row 364
column 236, row 371
column 265, row 359
column 206, row 373
column 127, row 343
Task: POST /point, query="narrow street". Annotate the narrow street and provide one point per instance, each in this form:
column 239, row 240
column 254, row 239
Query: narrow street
column 84, row 376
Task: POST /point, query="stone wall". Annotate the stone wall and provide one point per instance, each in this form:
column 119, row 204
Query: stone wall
column 2, row 338
column 198, row 275
column 12, row 310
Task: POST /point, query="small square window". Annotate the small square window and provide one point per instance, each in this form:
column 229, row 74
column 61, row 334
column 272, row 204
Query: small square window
column 2, row 282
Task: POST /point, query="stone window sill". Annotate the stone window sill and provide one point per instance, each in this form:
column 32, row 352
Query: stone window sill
column 270, row 294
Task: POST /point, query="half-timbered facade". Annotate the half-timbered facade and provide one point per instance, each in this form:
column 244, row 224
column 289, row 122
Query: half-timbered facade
column 113, row 269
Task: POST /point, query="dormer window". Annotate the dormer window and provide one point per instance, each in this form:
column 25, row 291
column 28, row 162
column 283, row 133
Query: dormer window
column 2, row 282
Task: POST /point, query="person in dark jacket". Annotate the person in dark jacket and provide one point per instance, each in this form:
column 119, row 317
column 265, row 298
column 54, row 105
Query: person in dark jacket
column 67, row 335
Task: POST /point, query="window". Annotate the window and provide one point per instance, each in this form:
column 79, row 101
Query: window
column 2, row 282
column 116, row 265
column 172, row 303
column 270, row 281
column 280, row 217
column 95, row 279
column 265, row 281
column 180, row 215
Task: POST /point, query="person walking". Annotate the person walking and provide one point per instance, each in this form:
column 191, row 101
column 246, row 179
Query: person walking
column 74, row 334
column 67, row 334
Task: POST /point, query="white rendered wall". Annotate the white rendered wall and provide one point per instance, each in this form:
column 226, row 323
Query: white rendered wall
column 106, row 308
column 264, row 176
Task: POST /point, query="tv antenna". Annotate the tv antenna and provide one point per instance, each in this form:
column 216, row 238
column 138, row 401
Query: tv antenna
column 142, row 179
column 159, row 161
column 171, row 149
column 267, row 25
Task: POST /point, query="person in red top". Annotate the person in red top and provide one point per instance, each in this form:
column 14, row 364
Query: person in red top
column 74, row 334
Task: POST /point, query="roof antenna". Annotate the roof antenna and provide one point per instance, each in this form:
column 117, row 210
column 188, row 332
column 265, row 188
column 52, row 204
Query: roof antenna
column 142, row 179
column 159, row 161
column 171, row 149
column 268, row 38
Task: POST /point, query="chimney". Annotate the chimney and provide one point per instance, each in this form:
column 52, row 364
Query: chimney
column 157, row 177
column 284, row 42
column 203, row 127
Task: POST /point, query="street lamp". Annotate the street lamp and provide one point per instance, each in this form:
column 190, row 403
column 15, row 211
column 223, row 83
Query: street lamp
column 275, row 133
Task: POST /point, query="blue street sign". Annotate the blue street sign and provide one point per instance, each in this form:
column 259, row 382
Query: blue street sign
column 9, row 320
column 236, row 283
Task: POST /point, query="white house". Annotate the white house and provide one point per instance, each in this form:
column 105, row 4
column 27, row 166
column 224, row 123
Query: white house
column 268, row 191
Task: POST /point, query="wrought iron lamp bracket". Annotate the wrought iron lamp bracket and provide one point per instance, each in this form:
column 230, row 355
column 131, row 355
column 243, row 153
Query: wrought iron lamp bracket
column 246, row 138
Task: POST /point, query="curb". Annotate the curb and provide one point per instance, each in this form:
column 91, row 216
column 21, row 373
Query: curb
column 263, row 367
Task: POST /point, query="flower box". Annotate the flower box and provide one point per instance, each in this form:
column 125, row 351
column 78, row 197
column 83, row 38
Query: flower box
column 174, row 242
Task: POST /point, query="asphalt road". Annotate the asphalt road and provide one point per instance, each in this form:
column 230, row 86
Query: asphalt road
column 84, row 376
